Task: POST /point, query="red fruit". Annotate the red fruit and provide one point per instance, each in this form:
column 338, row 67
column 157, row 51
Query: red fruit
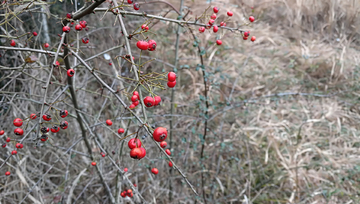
column 66, row 29
column 143, row 152
column 152, row 45
column 64, row 125
column 108, row 122
column 130, row 1
column 171, row 76
column 222, row 24
column 136, row 93
column 131, row 195
column 123, row 194
column 163, row 144
column 155, row 171
column 21, row 146
column 18, row 145
column 136, row 153
column 102, row 154
column 229, row 13
column 70, row 72
column 211, row 21
column 63, row 113
column 213, row 16
column 43, row 138
column 44, row 129
column 168, row 152
column 46, row 45
column 33, row 116
column 7, row 173
column 251, row 19
column 215, row 29
column 47, row 117
column 8, row 139
column 149, row 101
column 135, row 103
column 12, row 43
column 17, row 122
column 121, row 131
column 55, row 129
column 85, row 40
column 216, row 9
column 2, row 132
column 57, row 63
column 157, row 100
column 126, row 169
column 136, row 6
column 78, row 27
column 135, row 184
column 202, row 29
column 14, row 152
column 83, row 24
column 160, row 134
column 93, row 163
column 170, row 164
column 246, row 33
column 171, row 84
column 34, row 33
column 142, row 45
column 110, row 63
column 132, row 106
column 218, row 42
column 253, row 38
column 68, row 15
column 19, row 131
column 134, row 98
column 144, row 26
column 245, row 38
column 4, row 145
column 134, row 143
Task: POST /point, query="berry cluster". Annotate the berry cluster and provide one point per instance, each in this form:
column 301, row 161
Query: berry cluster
column 128, row 193
column 149, row 45
column 171, row 80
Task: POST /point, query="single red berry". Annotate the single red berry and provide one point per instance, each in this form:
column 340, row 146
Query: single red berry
column 163, row 144
column 136, row 153
column 44, row 138
column 149, row 101
column 136, row 93
column 8, row 139
column 129, row 191
column 18, row 145
column 216, row 9
column 157, row 100
column 134, row 98
column 222, row 24
column 144, row 26
column 121, row 131
column 21, row 146
column 85, row 40
column 211, row 21
column 108, row 122
column 83, row 24
column 7, row 173
column 218, row 42
column 103, row 154
column 46, row 45
column 33, row 116
column 132, row 106
column 171, row 84
column 160, row 134
column 44, row 129
column 34, row 33
column 55, row 129
column 202, row 29
column 68, row 15
column 253, row 38
column 17, row 122
column 136, row 6
column 170, row 164
column 47, row 117
column 134, row 143
column 78, row 27
column 245, row 38
column 131, row 195
column 70, row 72
column 229, row 13
column 246, row 33
column 143, row 152
column 93, row 163
column 168, row 152
column 152, row 45
column 130, row 1
column 213, row 16
column 4, row 145
column 123, row 194
column 135, row 184
column 57, row 63
column 63, row 113
column 64, row 125
column 155, row 171
column 142, row 45
column 126, row 169
column 135, row 103
column 251, row 19
column 12, row 43
column 215, row 29
column 13, row 152
column 2, row 132
column 19, row 131
column 66, row 29
column 171, row 76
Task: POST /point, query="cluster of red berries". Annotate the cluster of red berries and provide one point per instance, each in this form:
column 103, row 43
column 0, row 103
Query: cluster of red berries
column 127, row 193
column 152, row 101
column 55, row 128
column 135, row 100
column 135, row 5
column 78, row 27
column 149, row 45
column 136, row 151
column 171, row 79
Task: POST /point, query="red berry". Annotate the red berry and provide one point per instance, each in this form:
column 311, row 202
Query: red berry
column 168, row 152
column 102, row 154
column 85, row 40
column 46, row 45
column 155, row 171
column 44, row 129
column 136, row 93
column 136, row 6
column 135, row 103
column 218, row 42
column 129, row 191
column 142, row 45
column 64, row 125
column 13, row 152
column 68, row 15
column 43, row 138
column 136, row 153
column 66, row 29
column 55, row 129
column 246, row 33
column 222, row 24
column 93, row 163
column 17, row 122
column 149, row 101
column 108, row 122
column 157, row 100
column 215, row 29
column 19, row 131
column 78, row 27
column 7, row 173
column 213, row 16
column 134, row 143
column 63, row 113
column 135, row 184
column 163, row 144
column 123, row 194
column 144, row 26
column 2, row 132
column 18, row 145
column 132, row 106
column 126, row 169
column 171, row 84
column 33, row 116
column 12, row 43
column 245, row 38
column 34, row 33
column 130, row 1
column 70, row 72
column 110, row 63
column 160, row 134
column 47, row 117
column 253, row 38
column 134, row 98
column 83, row 24
column 143, row 152
column 57, row 63
column 251, row 19
column 216, row 9
column 229, row 13
column 171, row 76
column 8, row 139
column 121, row 131
column 211, row 21
column 131, row 195
column 202, row 29
column 152, row 45
column 4, row 145
column 170, row 164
